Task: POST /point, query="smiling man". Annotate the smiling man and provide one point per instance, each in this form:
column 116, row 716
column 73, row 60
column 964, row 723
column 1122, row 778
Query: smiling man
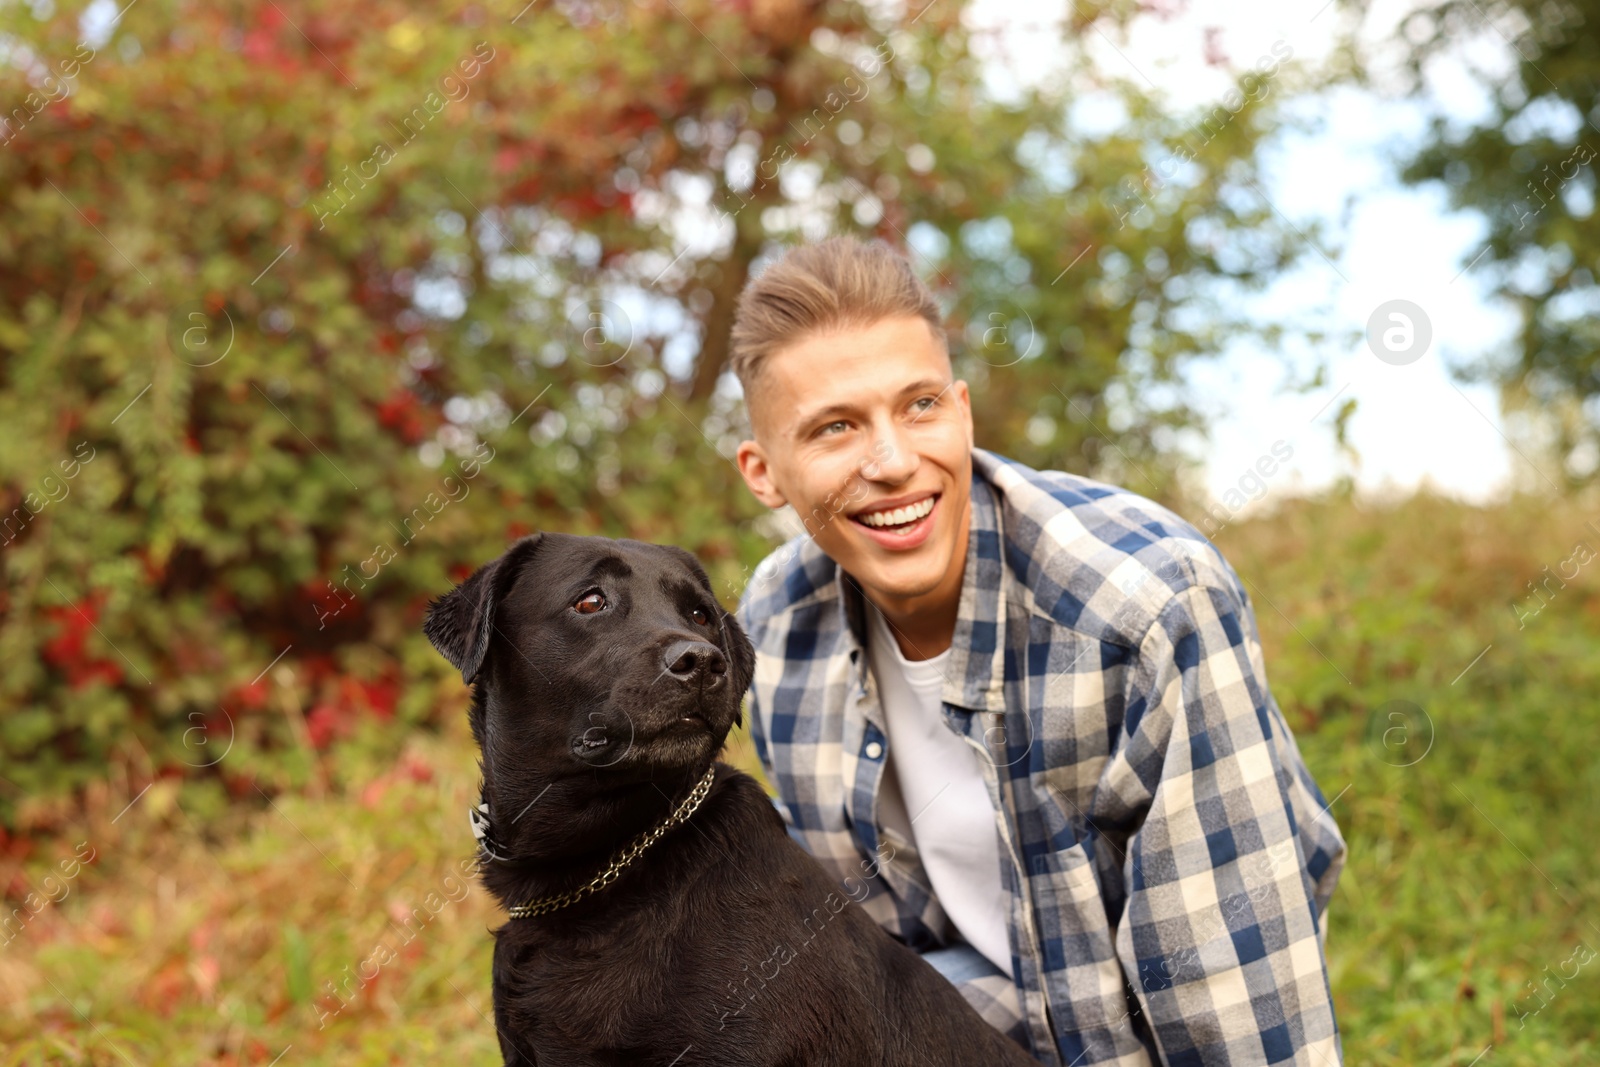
column 1028, row 710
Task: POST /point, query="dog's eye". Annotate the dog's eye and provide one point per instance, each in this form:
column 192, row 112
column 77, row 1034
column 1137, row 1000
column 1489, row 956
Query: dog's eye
column 700, row 617
column 589, row 603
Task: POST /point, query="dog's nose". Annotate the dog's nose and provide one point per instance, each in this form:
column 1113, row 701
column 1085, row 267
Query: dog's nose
column 689, row 660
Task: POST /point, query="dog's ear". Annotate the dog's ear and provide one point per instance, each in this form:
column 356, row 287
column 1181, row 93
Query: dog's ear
column 460, row 623
column 743, row 652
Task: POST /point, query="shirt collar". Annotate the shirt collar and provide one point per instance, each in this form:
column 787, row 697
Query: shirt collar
column 975, row 674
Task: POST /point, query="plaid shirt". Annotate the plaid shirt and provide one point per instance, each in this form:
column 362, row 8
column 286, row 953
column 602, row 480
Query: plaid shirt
column 1167, row 856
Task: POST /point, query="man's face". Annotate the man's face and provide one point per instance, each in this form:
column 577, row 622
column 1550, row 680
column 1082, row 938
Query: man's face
column 865, row 433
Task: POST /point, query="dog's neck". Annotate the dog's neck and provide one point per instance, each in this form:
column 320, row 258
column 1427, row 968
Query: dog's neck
column 523, row 856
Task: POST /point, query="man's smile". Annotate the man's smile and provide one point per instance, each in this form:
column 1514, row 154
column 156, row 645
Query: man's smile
column 900, row 522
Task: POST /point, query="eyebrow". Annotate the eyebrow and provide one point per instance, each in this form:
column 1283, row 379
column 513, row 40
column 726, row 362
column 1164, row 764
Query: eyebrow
column 685, row 588
column 604, row 565
column 828, row 412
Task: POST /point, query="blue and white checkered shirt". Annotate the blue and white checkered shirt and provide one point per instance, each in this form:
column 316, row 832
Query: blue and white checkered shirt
column 1168, row 857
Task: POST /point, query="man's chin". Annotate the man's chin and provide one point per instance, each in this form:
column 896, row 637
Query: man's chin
column 899, row 578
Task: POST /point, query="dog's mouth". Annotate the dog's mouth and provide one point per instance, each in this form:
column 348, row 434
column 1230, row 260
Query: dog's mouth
column 609, row 744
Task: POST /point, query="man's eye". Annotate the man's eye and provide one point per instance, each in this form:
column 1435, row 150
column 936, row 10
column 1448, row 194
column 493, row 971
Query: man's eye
column 700, row 617
column 830, row 426
column 926, row 402
column 589, row 603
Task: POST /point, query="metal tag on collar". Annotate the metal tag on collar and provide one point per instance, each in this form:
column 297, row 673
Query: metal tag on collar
column 483, row 829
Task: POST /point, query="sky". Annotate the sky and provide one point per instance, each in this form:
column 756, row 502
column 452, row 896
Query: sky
column 1413, row 424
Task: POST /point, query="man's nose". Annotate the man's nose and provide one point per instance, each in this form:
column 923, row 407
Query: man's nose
column 892, row 460
column 694, row 661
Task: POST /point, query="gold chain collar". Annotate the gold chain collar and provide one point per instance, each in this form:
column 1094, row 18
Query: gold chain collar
column 545, row 905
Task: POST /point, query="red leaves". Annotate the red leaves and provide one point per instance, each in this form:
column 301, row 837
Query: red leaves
column 260, row 45
column 634, row 121
column 392, row 411
column 326, row 722
column 162, row 990
column 75, row 621
column 65, row 650
column 507, row 160
column 380, row 695
column 346, row 700
column 294, row 47
column 15, row 847
column 270, row 17
column 402, row 413
column 251, row 696
column 410, row 767
column 581, row 207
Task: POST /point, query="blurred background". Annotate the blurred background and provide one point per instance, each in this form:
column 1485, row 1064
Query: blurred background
column 308, row 308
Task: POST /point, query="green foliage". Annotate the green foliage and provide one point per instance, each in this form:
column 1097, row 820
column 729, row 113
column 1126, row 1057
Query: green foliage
column 296, row 965
column 1450, row 728
column 1528, row 168
column 307, row 308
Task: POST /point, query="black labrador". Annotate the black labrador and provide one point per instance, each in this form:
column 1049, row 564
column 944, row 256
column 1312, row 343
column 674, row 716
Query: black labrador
column 661, row 913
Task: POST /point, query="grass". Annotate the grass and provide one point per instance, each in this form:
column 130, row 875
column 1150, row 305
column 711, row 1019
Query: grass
column 338, row 929
column 1472, row 876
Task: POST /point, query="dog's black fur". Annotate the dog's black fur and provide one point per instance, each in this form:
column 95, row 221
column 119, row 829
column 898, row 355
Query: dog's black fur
column 723, row 943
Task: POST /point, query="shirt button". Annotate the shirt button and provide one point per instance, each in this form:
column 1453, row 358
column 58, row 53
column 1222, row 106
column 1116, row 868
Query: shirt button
column 874, row 750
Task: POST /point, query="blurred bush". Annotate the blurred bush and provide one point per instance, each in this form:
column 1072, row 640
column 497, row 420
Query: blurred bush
column 306, row 308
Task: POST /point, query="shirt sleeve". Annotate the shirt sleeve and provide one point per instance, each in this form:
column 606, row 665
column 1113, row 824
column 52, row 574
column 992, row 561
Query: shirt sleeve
column 1230, row 871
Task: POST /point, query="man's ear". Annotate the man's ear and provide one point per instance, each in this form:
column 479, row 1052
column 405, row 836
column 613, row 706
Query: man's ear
column 460, row 623
column 751, row 459
column 965, row 399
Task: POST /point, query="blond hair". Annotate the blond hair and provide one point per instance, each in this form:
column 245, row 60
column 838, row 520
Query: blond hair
column 838, row 282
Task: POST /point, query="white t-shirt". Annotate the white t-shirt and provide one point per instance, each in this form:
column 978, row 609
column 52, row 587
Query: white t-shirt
column 934, row 775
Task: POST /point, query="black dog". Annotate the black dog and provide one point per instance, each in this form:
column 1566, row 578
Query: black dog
column 606, row 677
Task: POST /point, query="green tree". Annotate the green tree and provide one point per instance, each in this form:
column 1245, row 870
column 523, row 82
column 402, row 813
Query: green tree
column 1528, row 168
column 308, row 307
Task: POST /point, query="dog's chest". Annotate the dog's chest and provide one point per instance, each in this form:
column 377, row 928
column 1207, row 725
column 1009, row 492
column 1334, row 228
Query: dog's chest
column 706, row 966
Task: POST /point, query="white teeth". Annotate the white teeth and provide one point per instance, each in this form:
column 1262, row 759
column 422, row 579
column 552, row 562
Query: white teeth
column 899, row 516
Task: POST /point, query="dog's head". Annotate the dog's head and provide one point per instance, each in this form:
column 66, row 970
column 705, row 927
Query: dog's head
column 591, row 654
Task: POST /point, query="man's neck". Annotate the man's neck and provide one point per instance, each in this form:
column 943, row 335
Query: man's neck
column 924, row 625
